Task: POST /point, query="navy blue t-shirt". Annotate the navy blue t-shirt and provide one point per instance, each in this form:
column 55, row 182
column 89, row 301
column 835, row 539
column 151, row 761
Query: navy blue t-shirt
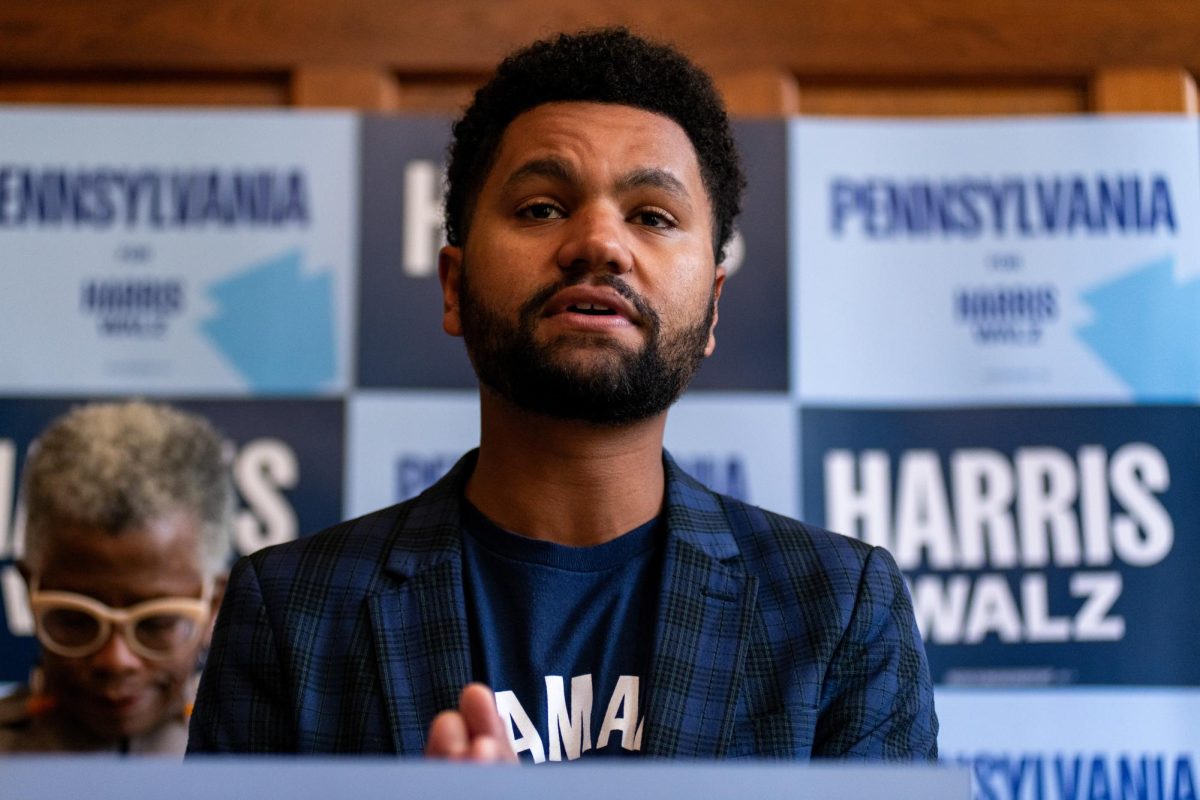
column 563, row 635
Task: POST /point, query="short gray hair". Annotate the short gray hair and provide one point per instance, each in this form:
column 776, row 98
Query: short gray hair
column 117, row 466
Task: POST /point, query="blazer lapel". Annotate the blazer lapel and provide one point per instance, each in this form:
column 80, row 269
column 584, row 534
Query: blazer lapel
column 706, row 608
column 420, row 630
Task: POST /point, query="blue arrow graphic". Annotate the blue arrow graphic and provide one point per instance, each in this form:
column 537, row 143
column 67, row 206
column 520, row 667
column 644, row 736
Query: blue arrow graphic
column 1146, row 328
column 275, row 325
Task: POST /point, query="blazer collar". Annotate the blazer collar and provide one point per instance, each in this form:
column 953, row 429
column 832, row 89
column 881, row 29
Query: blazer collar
column 694, row 514
column 705, row 615
column 430, row 530
column 419, row 622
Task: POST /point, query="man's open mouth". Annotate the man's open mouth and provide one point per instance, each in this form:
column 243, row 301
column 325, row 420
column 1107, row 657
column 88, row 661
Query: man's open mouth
column 591, row 309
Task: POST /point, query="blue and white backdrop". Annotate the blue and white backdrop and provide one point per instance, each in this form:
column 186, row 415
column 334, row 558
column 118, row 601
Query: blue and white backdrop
column 974, row 342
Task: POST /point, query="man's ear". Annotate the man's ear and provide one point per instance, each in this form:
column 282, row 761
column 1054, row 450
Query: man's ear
column 718, row 285
column 450, row 264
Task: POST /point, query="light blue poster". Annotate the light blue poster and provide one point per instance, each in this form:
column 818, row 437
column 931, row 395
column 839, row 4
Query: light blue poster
column 1070, row 744
column 401, row 442
column 742, row 445
column 984, row 262
column 176, row 252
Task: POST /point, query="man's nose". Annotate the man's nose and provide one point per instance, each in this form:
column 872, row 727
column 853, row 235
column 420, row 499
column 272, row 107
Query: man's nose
column 596, row 239
column 115, row 655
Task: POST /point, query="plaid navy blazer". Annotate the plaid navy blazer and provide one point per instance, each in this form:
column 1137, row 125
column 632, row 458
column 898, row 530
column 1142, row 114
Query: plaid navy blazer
column 773, row 639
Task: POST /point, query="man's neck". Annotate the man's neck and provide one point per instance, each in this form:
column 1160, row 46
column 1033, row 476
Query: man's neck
column 566, row 481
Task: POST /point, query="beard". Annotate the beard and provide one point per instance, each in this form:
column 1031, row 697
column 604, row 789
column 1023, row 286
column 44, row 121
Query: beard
column 616, row 386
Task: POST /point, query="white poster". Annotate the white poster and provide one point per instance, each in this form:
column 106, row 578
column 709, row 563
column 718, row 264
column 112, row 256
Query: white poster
column 740, row 444
column 996, row 262
column 398, row 443
column 1069, row 744
column 176, row 251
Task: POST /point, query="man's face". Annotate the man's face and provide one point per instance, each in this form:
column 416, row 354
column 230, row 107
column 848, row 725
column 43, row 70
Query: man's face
column 586, row 288
column 115, row 692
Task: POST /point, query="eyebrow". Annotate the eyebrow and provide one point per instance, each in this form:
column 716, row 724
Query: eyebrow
column 655, row 179
column 552, row 168
column 557, row 169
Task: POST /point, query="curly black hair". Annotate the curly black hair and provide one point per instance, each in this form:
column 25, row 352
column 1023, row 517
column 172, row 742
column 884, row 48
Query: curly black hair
column 609, row 65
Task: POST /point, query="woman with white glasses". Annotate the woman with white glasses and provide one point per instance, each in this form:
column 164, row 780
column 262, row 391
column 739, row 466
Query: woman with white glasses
column 129, row 510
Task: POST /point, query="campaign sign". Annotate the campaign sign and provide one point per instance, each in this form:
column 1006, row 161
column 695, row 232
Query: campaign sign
column 400, row 337
column 287, row 470
column 1026, row 261
column 742, row 445
column 401, row 343
column 167, row 252
column 400, row 443
column 1074, row 743
column 752, row 330
column 1042, row 546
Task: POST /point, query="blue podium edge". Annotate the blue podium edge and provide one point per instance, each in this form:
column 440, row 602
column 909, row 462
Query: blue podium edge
column 295, row 778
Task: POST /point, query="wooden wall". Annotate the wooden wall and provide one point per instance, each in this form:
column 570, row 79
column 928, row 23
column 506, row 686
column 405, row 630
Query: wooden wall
column 852, row 57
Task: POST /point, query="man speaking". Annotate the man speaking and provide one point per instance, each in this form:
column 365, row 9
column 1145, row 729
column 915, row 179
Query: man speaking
column 566, row 590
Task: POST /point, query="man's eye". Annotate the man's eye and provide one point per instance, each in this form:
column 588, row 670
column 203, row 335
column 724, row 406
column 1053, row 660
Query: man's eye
column 654, row 219
column 542, row 211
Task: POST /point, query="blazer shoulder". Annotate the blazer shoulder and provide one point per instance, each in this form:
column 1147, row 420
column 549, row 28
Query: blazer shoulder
column 363, row 537
column 753, row 523
column 408, row 533
column 786, row 551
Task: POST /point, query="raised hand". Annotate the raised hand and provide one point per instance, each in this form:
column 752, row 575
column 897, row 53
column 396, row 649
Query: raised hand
column 473, row 732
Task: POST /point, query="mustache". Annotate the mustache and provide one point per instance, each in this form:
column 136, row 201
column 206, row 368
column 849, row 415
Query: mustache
column 533, row 307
